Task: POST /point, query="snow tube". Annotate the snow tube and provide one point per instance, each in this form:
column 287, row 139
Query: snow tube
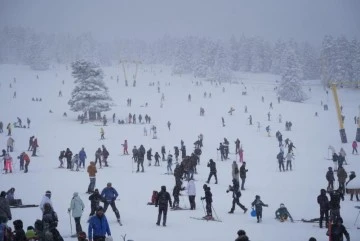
column 253, row 213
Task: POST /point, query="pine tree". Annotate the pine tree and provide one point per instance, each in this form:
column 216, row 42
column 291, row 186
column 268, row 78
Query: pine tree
column 221, row 70
column 90, row 93
column 290, row 88
column 355, row 63
column 327, row 60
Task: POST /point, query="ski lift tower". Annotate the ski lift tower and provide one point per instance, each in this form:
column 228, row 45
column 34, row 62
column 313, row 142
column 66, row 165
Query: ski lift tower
column 338, row 110
column 123, row 62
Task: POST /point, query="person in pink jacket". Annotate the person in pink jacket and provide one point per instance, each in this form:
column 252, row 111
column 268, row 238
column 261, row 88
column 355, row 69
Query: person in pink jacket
column 354, row 146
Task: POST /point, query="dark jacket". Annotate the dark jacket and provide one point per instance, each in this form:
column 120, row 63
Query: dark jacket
column 330, row 176
column 243, row 171
column 149, row 155
column 280, row 157
column 335, row 197
column 208, row 195
column 212, row 166
column 258, row 204
column 337, row 232
column 95, row 199
column 323, row 201
column 235, row 188
column 163, row 199
column 141, row 153
column 5, row 212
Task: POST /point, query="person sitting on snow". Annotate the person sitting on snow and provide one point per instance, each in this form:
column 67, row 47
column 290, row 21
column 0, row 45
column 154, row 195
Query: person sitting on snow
column 282, row 214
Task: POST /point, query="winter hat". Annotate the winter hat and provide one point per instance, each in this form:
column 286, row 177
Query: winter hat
column 109, row 184
column 100, row 208
column 257, row 196
column 30, row 228
column 18, row 224
column 241, row 232
column 3, row 194
column 312, row 239
column 48, row 194
column 163, row 188
column 96, row 190
column 76, row 194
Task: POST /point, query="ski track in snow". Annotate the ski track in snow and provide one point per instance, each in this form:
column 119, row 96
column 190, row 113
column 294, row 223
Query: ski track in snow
column 297, row 189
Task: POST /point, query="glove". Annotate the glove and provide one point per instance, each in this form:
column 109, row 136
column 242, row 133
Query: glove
column 9, row 218
column 69, row 210
column 227, row 191
column 202, row 198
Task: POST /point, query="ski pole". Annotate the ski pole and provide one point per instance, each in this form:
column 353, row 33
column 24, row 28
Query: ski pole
column 356, row 218
column 70, row 223
column 214, row 212
column 202, row 202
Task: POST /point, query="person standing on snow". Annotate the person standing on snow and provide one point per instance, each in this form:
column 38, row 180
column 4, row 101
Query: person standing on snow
column 82, row 157
column 98, row 226
column 92, row 175
column 243, row 172
column 163, row 199
column 258, row 204
column 95, row 200
column 125, row 148
column 212, row 166
column 323, row 202
column 46, row 199
column 34, row 147
column 76, row 208
column 191, row 191
column 109, row 195
column 354, row 147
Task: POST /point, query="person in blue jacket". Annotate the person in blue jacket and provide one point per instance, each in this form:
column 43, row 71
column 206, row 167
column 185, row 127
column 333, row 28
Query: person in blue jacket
column 109, row 195
column 82, row 157
column 98, row 226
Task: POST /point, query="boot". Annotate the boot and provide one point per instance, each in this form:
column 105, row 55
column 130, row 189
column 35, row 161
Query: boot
column 231, row 211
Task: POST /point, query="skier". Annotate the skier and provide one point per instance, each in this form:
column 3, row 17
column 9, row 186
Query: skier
column 223, row 121
column 149, row 155
column 82, row 157
column 125, row 148
column 243, row 172
column 109, row 195
column 354, row 147
column 208, row 199
column 98, row 156
column 289, row 158
column 102, row 133
column 91, row 169
column 191, row 191
column 176, row 193
column 141, row 155
column 280, row 157
column 157, row 157
column 98, row 226
column 222, row 151
column 95, row 199
column 235, row 189
column 105, row 154
column 282, row 214
column 323, row 202
column 162, row 201
column 168, row 124
column 250, row 120
column 76, row 208
column 258, row 204
column 212, row 165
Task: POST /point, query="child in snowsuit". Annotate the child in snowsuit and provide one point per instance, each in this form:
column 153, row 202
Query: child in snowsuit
column 282, row 214
column 258, row 204
column 153, row 198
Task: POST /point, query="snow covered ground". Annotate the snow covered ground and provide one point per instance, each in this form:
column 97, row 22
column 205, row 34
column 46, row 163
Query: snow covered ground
column 297, row 189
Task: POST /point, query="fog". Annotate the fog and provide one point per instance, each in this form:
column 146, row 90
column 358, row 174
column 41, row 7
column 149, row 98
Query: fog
column 302, row 20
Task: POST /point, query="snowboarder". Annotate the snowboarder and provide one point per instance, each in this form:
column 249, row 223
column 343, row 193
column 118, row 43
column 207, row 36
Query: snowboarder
column 212, row 165
column 109, row 195
column 258, row 204
column 76, row 208
column 208, row 199
column 282, row 214
column 235, row 189
column 162, row 201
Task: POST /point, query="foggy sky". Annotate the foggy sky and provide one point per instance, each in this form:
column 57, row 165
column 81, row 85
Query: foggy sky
column 219, row 19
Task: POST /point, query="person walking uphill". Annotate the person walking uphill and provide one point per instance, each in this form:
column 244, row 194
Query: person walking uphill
column 92, row 175
column 109, row 195
column 76, row 208
column 163, row 199
column 98, row 226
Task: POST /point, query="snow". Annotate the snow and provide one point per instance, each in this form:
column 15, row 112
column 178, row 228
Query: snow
column 297, row 189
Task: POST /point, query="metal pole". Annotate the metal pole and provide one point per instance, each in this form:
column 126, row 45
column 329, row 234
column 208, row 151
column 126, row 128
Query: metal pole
column 338, row 111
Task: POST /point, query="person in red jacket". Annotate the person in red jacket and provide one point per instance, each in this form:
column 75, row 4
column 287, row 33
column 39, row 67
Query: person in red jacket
column 34, row 147
column 354, row 146
column 27, row 161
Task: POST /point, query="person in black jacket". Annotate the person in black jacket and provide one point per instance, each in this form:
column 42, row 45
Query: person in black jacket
column 222, row 151
column 163, row 152
column 243, row 172
column 236, row 196
column 141, row 156
column 212, row 166
column 176, row 153
column 338, row 230
column 208, row 200
column 335, row 197
column 157, row 157
column 5, row 212
column 258, row 204
column 149, row 155
column 330, row 178
column 163, row 199
column 68, row 156
column 95, row 199
column 176, row 193
column 135, row 153
column 19, row 233
column 323, row 201
column 98, row 157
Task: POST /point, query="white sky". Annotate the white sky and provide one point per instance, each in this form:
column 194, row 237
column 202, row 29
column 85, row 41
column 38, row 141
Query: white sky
column 300, row 19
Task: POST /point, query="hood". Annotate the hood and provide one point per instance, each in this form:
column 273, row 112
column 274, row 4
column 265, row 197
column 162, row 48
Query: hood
column 75, row 194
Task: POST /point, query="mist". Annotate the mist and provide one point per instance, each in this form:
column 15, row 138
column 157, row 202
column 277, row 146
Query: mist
column 302, row 20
